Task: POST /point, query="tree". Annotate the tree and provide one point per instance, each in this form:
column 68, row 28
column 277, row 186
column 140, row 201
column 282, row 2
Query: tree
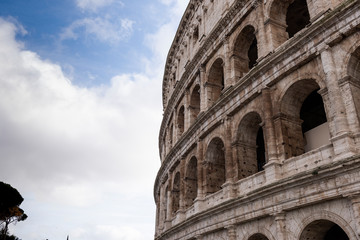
column 10, row 212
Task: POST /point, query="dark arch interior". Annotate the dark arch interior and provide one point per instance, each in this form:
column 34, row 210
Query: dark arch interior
column 250, row 146
column 312, row 111
column 336, row 233
column 216, row 80
column 258, row 236
column 215, row 166
column 176, row 193
column 191, row 182
column 181, row 119
column 245, row 50
column 297, row 17
column 253, row 53
column 195, row 104
column 260, row 150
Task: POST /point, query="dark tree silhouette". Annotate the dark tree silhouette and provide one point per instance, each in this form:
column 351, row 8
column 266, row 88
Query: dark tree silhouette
column 10, row 212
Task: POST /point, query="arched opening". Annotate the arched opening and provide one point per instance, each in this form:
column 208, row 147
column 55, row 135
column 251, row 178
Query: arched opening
column 303, row 123
column 176, row 193
column 286, row 19
column 258, row 236
column 354, row 65
column 314, row 127
column 251, row 154
column 215, row 166
column 194, row 104
column 245, row 51
column 297, row 17
column 181, row 121
column 191, row 186
column 323, row 230
column 215, row 83
column 354, row 74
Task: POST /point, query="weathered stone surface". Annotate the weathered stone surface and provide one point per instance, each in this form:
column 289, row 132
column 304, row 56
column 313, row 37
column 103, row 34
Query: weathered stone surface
column 250, row 90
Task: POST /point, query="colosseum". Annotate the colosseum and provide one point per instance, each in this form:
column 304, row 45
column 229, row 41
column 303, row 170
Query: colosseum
column 260, row 137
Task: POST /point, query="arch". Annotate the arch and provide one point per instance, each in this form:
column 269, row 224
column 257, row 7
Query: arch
column 245, row 51
column 258, row 236
column 323, row 230
column 349, row 57
column 215, row 166
column 181, row 120
column 354, row 64
column 297, row 17
column 251, row 153
column 259, row 231
column 195, row 103
column 215, row 81
column 353, row 71
column 303, row 118
column 324, row 220
column 175, row 193
column 286, row 18
column 191, row 185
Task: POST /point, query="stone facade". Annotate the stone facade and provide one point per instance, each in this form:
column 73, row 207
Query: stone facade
column 260, row 138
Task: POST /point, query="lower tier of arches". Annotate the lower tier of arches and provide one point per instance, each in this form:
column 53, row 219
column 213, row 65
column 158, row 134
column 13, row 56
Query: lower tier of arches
column 323, row 205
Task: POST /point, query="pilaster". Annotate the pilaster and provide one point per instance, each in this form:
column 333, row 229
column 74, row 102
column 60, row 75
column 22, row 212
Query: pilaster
column 341, row 139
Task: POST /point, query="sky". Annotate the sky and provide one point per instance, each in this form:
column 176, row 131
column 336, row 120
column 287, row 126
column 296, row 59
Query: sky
column 80, row 112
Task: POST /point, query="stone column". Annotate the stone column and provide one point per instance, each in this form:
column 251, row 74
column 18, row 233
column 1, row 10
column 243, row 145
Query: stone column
column 231, row 232
column 234, row 152
column 349, row 88
column 316, row 8
column 355, row 203
column 228, row 80
column 198, row 203
column 262, row 40
column 169, row 201
column 228, row 150
column 203, row 100
column 272, row 167
column 158, row 211
column 187, row 111
column 201, row 160
column 269, row 126
column 181, row 212
column 162, row 216
column 229, row 164
column 276, row 34
column 342, row 142
column 280, row 226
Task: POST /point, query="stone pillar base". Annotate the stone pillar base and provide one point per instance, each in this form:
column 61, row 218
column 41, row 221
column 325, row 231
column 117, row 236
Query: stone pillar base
column 344, row 146
column 272, row 171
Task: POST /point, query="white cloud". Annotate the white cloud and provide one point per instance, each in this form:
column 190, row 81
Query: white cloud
column 82, row 153
column 104, row 29
column 93, row 5
column 55, row 133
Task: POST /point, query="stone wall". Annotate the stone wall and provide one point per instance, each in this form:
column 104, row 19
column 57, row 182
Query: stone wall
column 244, row 83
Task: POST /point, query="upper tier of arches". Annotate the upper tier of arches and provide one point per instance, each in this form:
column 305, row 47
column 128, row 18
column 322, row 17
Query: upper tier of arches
column 275, row 22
